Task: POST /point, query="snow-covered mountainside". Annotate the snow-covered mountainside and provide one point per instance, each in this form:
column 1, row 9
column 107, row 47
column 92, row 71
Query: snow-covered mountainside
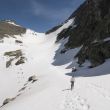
column 90, row 29
column 30, row 78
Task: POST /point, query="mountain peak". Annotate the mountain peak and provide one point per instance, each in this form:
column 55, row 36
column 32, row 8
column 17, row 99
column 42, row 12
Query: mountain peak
column 10, row 28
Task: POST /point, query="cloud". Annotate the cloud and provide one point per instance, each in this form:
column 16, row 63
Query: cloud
column 53, row 14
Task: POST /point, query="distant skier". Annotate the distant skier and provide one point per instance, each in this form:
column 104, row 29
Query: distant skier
column 72, row 78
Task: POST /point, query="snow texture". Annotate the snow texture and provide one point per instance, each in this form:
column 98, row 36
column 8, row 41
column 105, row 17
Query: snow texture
column 51, row 89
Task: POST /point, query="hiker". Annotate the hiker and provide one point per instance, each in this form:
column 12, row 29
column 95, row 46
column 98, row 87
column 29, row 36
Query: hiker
column 72, row 78
column 72, row 82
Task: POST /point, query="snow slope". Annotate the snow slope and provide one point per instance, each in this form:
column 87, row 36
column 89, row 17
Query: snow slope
column 52, row 89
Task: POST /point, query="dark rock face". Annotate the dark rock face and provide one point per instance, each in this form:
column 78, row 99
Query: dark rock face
column 15, row 55
column 92, row 20
column 96, row 53
column 7, row 29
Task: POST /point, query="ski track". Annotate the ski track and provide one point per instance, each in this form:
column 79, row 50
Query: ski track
column 72, row 101
column 102, row 91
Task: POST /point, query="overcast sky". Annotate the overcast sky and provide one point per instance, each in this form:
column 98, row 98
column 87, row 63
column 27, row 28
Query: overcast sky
column 39, row 15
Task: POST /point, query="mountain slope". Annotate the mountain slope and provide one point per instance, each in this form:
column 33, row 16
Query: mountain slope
column 38, row 50
column 35, row 69
column 91, row 30
column 38, row 84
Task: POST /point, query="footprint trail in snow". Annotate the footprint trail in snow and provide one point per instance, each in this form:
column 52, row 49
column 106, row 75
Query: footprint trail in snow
column 73, row 101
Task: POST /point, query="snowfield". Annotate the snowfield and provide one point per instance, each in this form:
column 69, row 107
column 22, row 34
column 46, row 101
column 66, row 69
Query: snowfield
column 51, row 89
